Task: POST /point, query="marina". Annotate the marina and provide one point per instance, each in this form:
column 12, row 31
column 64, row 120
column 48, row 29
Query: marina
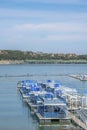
column 50, row 101
column 17, row 114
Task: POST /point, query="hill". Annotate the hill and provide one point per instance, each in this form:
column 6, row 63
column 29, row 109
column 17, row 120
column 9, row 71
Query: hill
column 20, row 57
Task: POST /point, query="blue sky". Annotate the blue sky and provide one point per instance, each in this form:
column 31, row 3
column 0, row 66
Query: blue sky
column 58, row 26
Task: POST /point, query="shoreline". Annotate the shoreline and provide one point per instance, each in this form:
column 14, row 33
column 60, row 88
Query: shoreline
column 7, row 62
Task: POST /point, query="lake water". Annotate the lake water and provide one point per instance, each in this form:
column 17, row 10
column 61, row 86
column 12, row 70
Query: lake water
column 14, row 112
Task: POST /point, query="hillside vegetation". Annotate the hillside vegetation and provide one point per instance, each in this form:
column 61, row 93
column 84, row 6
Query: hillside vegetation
column 39, row 57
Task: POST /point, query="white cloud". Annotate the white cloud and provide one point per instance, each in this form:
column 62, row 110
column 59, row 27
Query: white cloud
column 44, row 33
column 54, row 27
column 68, row 37
column 64, row 15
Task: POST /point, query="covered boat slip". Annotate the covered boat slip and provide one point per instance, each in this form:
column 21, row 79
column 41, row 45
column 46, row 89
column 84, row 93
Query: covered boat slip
column 52, row 108
column 76, row 101
column 50, row 101
column 73, row 99
column 28, row 88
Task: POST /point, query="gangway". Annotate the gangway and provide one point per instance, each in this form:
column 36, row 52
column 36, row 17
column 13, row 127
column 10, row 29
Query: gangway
column 77, row 121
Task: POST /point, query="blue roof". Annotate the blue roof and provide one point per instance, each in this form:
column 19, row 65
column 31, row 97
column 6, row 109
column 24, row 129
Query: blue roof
column 49, row 81
column 56, row 85
column 48, row 95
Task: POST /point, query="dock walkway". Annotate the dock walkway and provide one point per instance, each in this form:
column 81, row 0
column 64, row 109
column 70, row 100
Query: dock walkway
column 77, row 121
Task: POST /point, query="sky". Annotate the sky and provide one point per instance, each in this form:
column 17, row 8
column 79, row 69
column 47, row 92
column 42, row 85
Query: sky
column 51, row 26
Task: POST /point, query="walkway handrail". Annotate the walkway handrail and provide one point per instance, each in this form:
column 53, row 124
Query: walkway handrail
column 77, row 121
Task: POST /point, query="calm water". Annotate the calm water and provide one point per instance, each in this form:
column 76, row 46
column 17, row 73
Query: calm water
column 14, row 112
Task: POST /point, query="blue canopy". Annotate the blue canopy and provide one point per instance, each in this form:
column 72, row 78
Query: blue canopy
column 56, row 85
column 49, row 81
column 48, row 95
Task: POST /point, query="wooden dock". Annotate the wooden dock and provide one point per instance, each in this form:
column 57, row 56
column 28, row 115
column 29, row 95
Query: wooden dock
column 77, row 121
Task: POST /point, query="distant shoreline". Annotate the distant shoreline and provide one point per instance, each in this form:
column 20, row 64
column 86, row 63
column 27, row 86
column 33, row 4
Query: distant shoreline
column 43, row 62
column 29, row 57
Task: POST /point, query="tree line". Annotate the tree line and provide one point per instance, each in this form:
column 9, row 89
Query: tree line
column 29, row 55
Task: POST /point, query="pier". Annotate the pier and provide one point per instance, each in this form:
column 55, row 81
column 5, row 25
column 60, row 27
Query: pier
column 80, row 77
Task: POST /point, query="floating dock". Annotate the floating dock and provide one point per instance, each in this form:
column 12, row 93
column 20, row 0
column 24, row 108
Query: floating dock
column 51, row 102
column 80, row 77
column 43, row 120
